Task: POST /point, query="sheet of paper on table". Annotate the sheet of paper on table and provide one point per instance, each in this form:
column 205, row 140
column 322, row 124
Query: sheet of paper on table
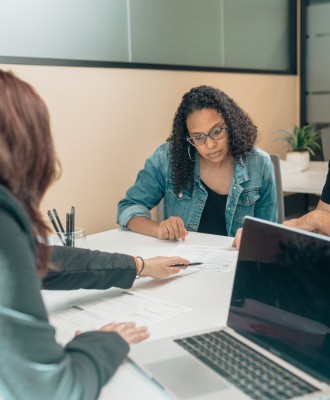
column 213, row 258
column 128, row 306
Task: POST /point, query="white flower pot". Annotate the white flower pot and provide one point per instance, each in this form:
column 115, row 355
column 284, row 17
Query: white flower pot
column 300, row 159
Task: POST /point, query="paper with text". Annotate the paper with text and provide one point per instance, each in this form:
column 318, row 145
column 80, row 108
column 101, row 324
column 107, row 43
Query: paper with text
column 213, row 258
column 127, row 306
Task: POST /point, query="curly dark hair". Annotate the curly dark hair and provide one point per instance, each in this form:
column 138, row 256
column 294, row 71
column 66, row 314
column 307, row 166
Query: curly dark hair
column 242, row 133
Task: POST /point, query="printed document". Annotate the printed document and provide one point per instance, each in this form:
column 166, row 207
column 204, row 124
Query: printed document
column 125, row 307
column 212, row 258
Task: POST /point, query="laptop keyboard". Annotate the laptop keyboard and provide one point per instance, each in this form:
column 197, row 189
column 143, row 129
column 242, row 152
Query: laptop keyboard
column 254, row 374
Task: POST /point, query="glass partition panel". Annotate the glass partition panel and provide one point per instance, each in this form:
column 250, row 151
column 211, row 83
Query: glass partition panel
column 199, row 34
column 185, row 32
column 317, row 64
column 64, row 29
column 318, row 108
column 256, row 34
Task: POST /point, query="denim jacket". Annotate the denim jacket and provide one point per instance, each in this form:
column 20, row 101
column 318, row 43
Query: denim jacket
column 252, row 192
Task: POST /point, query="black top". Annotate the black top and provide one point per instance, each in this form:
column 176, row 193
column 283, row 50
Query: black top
column 213, row 216
column 326, row 190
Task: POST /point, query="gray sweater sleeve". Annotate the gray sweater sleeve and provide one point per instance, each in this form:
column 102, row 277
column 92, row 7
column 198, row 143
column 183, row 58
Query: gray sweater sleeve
column 32, row 364
column 86, row 269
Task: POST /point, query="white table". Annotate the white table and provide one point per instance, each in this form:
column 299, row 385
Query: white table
column 206, row 293
column 310, row 181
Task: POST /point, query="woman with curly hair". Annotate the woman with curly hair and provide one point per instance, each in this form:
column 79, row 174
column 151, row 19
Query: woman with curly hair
column 210, row 174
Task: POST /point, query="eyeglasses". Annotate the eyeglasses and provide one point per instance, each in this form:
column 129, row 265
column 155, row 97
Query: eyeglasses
column 199, row 140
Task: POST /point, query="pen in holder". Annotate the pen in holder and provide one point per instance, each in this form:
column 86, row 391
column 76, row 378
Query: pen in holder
column 70, row 236
column 76, row 238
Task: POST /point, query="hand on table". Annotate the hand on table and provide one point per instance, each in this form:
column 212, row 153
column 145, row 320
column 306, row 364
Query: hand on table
column 305, row 222
column 237, row 240
column 128, row 331
column 171, row 229
column 162, row 267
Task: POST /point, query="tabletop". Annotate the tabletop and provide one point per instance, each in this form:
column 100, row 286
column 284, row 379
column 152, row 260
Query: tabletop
column 205, row 293
column 310, row 181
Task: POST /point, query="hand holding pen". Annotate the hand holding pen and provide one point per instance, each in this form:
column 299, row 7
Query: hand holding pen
column 181, row 265
column 172, row 229
column 162, row 267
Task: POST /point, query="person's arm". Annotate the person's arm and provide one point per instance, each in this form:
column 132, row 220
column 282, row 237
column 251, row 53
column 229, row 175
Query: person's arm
column 317, row 221
column 147, row 191
column 87, row 269
column 34, row 365
column 238, row 237
column 266, row 206
column 321, row 205
column 324, row 203
column 143, row 225
column 134, row 210
column 82, row 268
column 170, row 229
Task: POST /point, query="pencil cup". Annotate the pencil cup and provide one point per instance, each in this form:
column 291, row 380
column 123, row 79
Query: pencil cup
column 73, row 239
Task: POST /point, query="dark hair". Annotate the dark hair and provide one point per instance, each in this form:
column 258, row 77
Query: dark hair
column 242, row 133
column 27, row 156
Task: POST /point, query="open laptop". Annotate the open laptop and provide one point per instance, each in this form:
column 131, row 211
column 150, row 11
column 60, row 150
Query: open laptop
column 277, row 341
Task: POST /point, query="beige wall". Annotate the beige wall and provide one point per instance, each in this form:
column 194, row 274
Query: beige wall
column 107, row 121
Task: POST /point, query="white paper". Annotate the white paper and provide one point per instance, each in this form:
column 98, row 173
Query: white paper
column 125, row 307
column 218, row 259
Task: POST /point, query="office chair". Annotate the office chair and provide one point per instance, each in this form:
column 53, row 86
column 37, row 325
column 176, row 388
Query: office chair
column 278, row 182
column 325, row 141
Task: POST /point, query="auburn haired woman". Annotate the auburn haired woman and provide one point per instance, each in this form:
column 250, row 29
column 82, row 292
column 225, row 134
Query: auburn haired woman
column 32, row 364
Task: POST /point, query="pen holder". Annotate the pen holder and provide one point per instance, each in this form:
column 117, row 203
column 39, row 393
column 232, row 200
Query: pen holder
column 74, row 239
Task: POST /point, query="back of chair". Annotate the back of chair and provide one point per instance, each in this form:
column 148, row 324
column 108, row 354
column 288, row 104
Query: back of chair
column 278, row 181
column 325, row 140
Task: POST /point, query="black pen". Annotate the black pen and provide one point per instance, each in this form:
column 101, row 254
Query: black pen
column 67, row 227
column 52, row 220
column 58, row 220
column 72, row 224
column 186, row 265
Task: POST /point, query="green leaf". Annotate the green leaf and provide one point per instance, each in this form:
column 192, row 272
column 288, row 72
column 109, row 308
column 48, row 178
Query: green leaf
column 305, row 138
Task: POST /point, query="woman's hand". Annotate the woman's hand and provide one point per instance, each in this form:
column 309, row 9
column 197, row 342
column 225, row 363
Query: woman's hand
column 171, row 229
column 162, row 267
column 237, row 241
column 128, row 331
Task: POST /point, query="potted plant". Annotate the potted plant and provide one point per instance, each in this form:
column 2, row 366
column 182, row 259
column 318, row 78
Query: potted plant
column 302, row 142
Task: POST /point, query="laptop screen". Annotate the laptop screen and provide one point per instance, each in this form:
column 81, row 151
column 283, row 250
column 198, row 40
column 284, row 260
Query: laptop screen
column 281, row 294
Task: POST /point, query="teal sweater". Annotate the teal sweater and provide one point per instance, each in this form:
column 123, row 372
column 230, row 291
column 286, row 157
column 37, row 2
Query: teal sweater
column 32, row 364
